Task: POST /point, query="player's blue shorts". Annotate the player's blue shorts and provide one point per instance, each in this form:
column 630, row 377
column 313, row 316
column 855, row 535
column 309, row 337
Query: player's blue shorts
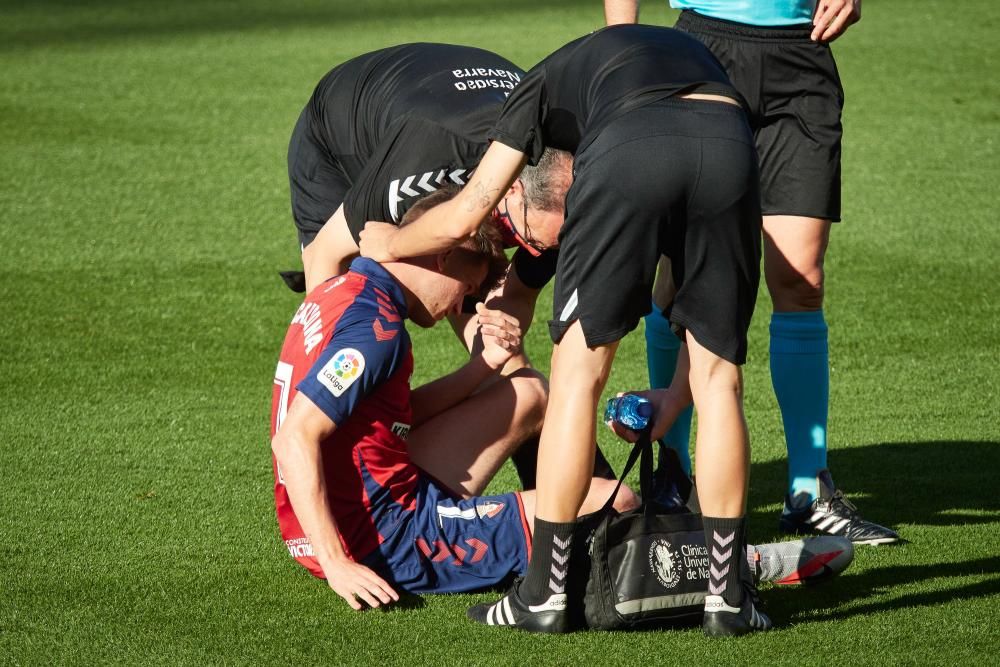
column 449, row 545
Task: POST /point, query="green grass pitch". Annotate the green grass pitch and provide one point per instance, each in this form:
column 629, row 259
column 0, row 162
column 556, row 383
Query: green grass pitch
column 144, row 214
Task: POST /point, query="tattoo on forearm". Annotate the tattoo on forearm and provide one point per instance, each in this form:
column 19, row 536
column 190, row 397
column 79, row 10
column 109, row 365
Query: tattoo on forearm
column 480, row 197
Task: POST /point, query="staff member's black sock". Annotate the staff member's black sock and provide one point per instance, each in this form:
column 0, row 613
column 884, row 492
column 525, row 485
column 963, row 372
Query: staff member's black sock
column 551, row 545
column 726, row 542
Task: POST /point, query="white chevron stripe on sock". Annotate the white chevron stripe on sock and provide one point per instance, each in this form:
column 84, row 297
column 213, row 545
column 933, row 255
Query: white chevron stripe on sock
column 562, row 544
column 719, row 574
column 557, row 573
column 716, row 589
column 556, row 588
column 724, row 541
column 560, row 558
column 721, row 556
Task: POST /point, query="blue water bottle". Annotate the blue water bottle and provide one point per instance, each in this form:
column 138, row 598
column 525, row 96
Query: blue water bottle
column 630, row 411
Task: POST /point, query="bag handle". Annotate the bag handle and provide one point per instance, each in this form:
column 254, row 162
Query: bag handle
column 643, row 448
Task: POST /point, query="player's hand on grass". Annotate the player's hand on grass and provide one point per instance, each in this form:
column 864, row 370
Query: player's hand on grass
column 501, row 335
column 357, row 584
column 374, row 241
column 833, row 17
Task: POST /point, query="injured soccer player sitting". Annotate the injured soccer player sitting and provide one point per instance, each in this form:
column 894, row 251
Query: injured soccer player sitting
column 378, row 487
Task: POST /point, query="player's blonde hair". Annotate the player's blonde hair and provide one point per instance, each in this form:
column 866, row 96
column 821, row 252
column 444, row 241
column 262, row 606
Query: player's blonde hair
column 486, row 242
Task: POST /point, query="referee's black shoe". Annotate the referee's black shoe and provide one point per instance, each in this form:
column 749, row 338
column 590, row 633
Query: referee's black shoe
column 833, row 514
column 511, row 611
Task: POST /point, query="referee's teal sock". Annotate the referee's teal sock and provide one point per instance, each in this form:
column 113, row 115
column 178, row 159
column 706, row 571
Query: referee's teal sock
column 800, row 374
column 662, row 348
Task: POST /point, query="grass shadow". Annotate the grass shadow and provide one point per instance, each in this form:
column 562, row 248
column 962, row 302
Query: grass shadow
column 938, row 483
column 851, row 591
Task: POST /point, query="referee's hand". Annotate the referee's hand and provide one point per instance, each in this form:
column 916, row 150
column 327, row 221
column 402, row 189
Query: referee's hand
column 833, row 17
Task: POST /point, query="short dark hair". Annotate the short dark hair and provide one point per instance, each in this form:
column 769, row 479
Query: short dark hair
column 486, row 242
column 545, row 184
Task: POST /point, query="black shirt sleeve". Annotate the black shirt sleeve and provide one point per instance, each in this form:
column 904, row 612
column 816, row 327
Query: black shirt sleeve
column 520, row 122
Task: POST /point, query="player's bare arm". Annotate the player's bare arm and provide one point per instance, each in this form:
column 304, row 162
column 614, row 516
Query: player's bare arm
column 453, row 222
column 330, row 253
column 501, row 340
column 833, row 18
column 621, row 11
column 296, row 448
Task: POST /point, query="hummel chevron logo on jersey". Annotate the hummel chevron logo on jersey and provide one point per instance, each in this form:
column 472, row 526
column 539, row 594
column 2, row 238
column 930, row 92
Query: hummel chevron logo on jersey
column 381, row 333
column 417, row 185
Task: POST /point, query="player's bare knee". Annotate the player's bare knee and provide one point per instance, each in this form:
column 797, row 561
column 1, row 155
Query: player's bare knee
column 601, row 489
column 532, row 392
column 626, row 500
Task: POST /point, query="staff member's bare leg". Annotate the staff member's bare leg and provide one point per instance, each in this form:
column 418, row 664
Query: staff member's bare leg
column 566, row 454
column 722, row 449
column 565, row 461
column 722, row 459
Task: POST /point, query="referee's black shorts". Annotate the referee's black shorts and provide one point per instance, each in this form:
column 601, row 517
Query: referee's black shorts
column 677, row 178
column 795, row 96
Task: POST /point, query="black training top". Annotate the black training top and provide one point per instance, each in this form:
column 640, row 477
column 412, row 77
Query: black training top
column 405, row 120
column 565, row 100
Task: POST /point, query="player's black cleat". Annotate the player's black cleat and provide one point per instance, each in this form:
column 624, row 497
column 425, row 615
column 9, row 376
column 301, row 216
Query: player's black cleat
column 832, row 514
column 511, row 611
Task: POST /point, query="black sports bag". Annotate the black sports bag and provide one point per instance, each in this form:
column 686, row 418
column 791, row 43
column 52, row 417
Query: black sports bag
column 648, row 567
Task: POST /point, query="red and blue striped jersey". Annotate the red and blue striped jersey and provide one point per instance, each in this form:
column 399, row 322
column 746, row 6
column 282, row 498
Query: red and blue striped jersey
column 347, row 350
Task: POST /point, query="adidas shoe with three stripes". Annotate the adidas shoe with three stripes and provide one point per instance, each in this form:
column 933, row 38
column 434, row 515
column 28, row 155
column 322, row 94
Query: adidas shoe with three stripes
column 550, row 616
column 723, row 620
column 832, row 514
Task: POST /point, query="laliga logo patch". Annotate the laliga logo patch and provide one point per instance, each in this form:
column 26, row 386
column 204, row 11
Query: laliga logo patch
column 664, row 563
column 489, row 510
column 342, row 370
